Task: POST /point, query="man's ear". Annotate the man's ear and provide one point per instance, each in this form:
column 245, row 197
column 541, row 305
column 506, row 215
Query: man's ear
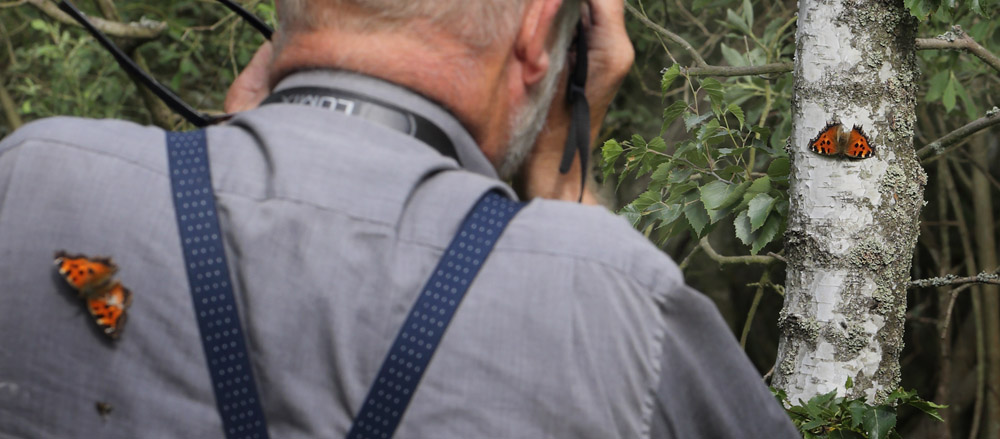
column 532, row 43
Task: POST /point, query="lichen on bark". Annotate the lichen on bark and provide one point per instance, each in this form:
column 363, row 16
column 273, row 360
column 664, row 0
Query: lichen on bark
column 852, row 224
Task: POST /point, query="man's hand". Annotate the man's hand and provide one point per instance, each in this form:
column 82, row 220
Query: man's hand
column 250, row 88
column 609, row 60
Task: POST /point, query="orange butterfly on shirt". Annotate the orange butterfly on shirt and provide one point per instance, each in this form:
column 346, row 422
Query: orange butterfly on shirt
column 92, row 278
column 835, row 140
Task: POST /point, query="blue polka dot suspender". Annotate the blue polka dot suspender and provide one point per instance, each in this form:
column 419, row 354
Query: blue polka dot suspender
column 211, row 287
column 422, row 329
column 219, row 324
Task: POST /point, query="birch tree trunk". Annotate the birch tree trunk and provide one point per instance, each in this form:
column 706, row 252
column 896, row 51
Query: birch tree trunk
column 852, row 223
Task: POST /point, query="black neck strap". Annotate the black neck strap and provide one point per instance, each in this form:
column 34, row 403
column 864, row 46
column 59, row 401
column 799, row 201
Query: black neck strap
column 353, row 104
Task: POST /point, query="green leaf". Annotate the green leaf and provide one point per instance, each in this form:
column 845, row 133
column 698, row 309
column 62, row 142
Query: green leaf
column 666, row 213
column 609, row 153
column 738, row 112
column 611, row 150
column 732, row 56
column 657, row 144
column 662, row 172
column 671, row 113
column 748, row 13
column 696, row 216
column 692, row 120
column 737, row 21
column 669, row 75
column 760, row 208
column 857, row 410
column 742, row 224
column 766, row 234
column 760, row 185
column 680, row 175
column 948, row 99
column 713, row 88
column 778, row 169
column 813, row 424
column 719, row 194
column 938, row 83
column 878, row 421
column 928, row 407
column 39, row 25
column 844, row 434
column 631, row 214
column 646, row 199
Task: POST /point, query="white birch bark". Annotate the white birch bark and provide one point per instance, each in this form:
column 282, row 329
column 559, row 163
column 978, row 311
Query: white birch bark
column 852, row 224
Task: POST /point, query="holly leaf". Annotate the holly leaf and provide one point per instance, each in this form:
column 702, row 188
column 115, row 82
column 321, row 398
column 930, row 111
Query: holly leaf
column 878, row 421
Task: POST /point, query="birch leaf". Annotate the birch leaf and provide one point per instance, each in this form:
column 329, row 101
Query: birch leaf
column 696, row 216
column 766, row 234
column 720, row 194
column 669, row 75
column 760, row 208
column 742, row 224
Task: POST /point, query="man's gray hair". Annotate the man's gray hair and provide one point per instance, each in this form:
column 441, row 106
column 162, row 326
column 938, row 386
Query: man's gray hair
column 477, row 22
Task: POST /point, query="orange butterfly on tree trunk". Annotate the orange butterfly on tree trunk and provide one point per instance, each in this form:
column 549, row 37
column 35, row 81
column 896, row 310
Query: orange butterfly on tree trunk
column 836, row 139
column 92, row 278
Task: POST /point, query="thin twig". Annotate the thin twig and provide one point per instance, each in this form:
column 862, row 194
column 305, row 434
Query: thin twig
column 957, row 39
column 749, row 259
column 781, row 67
column 145, row 30
column 951, row 279
column 13, row 4
column 764, row 280
column 938, row 146
column 9, row 108
column 666, row 33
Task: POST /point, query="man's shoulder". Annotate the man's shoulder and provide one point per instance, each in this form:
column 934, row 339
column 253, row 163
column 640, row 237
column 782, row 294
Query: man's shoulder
column 128, row 141
column 592, row 233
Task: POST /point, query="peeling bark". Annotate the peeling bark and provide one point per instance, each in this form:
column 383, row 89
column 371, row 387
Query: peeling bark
column 852, row 224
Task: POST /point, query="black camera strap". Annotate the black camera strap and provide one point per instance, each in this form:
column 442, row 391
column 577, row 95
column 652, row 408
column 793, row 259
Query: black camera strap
column 386, row 114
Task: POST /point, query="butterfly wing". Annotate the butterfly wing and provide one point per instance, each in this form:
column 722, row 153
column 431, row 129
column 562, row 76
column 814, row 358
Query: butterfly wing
column 85, row 274
column 858, row 146
column 826, row 142
column 108, row 308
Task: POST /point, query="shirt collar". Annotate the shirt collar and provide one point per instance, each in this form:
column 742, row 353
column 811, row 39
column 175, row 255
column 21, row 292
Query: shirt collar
column 469, row 154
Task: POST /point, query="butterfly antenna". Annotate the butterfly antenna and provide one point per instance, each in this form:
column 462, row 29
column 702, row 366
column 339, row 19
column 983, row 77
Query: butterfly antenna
column 175, row 103
column 257, row 23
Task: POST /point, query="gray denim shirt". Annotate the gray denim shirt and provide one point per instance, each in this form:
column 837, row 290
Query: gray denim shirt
column 576, row 326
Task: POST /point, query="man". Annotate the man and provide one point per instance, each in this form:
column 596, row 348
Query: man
column 575, row 326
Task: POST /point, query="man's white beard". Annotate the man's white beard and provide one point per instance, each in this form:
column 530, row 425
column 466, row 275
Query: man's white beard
column 527, row 122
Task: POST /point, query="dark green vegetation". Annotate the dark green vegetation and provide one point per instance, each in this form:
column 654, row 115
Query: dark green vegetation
column 695, row 158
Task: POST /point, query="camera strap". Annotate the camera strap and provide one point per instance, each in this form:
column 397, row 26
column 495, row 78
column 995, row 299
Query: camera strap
column 353, row 104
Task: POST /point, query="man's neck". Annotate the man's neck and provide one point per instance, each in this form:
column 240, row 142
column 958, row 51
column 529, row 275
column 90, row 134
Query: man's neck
column 423, row 60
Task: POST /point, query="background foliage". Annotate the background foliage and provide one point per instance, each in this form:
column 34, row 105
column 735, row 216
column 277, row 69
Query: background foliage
column 695, row 158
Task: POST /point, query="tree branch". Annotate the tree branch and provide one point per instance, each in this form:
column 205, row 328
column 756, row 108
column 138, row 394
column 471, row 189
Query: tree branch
column 951, row 279
column 749, row 259
column 957, row 39
column 992, row 118
column 143, row 30
column 9, row 109
column 781, row 67
column 670, row 35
